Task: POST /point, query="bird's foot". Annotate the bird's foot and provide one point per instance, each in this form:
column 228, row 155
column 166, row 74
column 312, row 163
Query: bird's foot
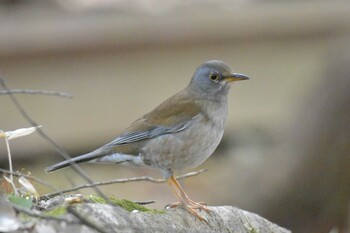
column 191, row 207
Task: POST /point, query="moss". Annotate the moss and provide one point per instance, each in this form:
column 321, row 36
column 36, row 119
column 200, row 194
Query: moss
column 96, row 199
column 58, row 211
column 125, row 204
column 130, row 206
column 25, row 217
column 251, row 229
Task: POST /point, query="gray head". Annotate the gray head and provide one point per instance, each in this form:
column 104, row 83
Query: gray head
column 212, row 80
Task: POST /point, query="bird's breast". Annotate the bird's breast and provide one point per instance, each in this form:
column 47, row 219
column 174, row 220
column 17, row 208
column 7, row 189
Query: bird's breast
column 190, row 147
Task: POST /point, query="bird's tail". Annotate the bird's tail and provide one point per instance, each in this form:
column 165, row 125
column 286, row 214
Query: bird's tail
column 79, row 159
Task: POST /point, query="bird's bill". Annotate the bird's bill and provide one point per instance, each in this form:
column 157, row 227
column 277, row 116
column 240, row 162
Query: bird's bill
column 236, row 77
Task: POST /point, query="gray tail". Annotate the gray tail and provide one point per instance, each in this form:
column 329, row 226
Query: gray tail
column 79, row 159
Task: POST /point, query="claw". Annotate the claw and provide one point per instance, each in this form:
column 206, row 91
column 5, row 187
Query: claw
column 191, row 207
column 185, row 202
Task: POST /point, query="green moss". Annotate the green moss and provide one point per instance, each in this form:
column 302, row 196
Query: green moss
column 125, row 204
column 96, row 199
column 251, row 229
column 129, row 205
column 58, row 211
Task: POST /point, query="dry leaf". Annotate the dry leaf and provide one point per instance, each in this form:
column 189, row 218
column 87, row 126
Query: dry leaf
column 28, row 186
column 20, row 132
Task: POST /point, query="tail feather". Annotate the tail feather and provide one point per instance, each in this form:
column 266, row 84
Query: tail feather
column 79, row 159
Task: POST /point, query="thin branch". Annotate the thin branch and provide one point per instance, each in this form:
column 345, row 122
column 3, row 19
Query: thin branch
column 18, row 174
column 35, row 92
column 145, row 202
column 8, row 180
column 123, row 180
column 60, row 150
column 9, row 156
column 38, row 215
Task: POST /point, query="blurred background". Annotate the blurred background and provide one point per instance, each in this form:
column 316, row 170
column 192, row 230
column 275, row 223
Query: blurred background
column 286, row 150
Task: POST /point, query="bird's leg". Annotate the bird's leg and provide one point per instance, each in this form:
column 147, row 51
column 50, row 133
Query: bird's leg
column 184, row 201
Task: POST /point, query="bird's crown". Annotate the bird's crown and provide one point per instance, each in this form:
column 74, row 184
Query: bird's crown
column 212, row 80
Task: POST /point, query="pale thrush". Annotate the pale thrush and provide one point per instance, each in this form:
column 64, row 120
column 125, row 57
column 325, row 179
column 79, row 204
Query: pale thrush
column 180, row 133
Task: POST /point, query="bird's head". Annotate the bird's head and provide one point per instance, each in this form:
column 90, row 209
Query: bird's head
column 212, row 80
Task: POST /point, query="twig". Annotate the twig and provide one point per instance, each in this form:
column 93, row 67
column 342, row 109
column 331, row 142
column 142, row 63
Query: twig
column 37, row 215
column 10, row 181
column 123, row 180
column 36, row 92
column 145, row 202
column 9, row 156
column 46, row 137
column 18, row 174
column 60, row 150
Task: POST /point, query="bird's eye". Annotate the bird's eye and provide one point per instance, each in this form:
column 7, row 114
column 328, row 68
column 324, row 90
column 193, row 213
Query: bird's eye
column 214, row 77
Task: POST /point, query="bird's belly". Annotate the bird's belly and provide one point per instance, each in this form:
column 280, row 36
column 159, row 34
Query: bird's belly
column 186, row 149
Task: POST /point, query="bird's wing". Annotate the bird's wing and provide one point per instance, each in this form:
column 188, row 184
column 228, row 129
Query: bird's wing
column 172, row 116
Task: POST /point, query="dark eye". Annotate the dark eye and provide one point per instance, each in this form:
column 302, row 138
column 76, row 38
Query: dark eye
column 214, row 77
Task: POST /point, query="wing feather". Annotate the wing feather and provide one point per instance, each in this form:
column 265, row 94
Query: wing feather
column 172, row 116
column 149, row 134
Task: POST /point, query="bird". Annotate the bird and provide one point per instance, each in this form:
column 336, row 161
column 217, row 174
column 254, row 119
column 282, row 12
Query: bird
column 180, row 133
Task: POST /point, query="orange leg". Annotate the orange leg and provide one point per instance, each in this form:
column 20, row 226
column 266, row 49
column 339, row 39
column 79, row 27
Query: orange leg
column 184, row 201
